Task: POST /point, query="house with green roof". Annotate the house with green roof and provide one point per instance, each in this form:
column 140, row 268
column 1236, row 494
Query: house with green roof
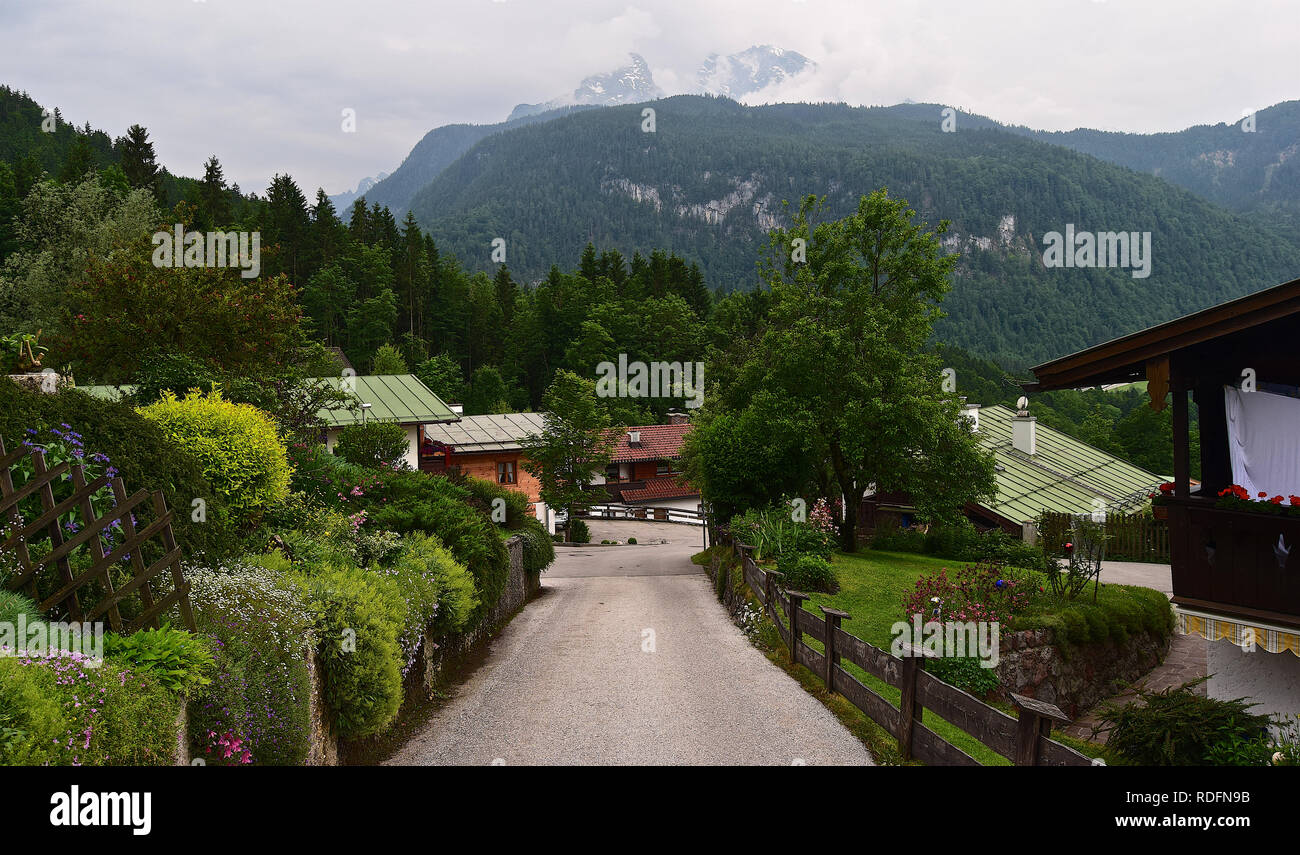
column 398, row 398
column 1036, row 469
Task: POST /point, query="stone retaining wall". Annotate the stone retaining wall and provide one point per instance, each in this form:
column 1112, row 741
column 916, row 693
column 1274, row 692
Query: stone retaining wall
column 1030, row 664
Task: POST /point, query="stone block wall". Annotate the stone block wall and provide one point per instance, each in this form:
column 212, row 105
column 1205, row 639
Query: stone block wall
column 1031, row 664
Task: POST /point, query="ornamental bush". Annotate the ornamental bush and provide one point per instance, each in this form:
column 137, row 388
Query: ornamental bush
column 808, row 573
column 1177, row 727
column 179, row 661
column 374, row 445
column 110, row 715
column 439, row 591
column 359, row 621
column 237, row 446
column 138, row 449
column 539, row 549
column 774, row 533
column 260, row 627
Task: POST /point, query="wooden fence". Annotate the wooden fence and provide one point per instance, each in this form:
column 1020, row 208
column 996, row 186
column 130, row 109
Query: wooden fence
column 1024, row 741
column 1132, row 537
column 50, row 580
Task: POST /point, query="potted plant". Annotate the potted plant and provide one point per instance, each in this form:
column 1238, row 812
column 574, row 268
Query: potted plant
column 1160, row 501
column 1237, row 498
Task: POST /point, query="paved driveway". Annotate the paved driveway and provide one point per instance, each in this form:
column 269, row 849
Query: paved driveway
column 628, row 658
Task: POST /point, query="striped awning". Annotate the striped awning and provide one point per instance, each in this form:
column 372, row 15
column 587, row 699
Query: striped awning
column 1243, row 633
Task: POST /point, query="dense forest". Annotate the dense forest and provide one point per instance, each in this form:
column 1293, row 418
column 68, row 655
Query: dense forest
column 710, row 181
column 393, row 297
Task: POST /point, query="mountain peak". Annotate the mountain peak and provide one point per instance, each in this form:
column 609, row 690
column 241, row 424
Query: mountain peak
column 628, row 84
column 750, row 70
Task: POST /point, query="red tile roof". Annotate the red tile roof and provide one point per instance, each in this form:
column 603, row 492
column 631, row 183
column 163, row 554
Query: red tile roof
column 662, row 487
column 658, row 442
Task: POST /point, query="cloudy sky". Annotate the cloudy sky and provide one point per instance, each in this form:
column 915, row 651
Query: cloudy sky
column 263, row 83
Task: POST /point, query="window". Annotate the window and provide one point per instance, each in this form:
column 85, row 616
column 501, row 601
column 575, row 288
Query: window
column 663, row 468
column 506, row 472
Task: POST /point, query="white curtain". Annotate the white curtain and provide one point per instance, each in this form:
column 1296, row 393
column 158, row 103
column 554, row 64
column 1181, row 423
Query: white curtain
column 1264, row 441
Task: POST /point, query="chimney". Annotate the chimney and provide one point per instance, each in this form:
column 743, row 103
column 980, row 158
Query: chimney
column 677, row 417
column 972, row 412
column 634, row 438
column 1024, row 429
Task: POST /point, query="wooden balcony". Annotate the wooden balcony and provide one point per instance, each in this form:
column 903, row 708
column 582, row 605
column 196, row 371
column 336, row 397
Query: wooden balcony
column 1230, row 562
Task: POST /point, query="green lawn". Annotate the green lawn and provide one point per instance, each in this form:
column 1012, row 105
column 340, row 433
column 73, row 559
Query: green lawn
column 873, row 586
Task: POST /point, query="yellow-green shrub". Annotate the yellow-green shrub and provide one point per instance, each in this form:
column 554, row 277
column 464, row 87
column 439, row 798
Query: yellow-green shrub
column 237, row 445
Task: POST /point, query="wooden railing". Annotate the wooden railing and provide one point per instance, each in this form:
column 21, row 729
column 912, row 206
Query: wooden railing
column 1024, row 741
column 1235, row 561
column 644, row 512
column 1129, row 537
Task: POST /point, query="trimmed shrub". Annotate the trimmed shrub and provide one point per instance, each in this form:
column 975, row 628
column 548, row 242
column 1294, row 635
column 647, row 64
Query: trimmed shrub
column 179, row 661
column 259, row 692
column 374, row 445
column 483, row 494
column 539, row 549
column 237, row 445
column 1120, row 611
column 808, row 573
column 404, row 502
column 578, row 531
column 359, row 622
column 439, row 590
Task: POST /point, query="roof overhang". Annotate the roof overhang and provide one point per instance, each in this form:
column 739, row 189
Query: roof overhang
column 1125, row 359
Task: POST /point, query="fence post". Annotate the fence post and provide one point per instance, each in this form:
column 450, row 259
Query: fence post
column 796, row 600
column 833, row 618
column 1036, row 719
column 909, row 711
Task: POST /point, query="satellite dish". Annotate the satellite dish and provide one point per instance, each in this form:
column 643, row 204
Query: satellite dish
column 1022, row 403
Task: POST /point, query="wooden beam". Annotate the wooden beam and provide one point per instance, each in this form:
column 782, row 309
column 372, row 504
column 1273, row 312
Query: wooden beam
column 1182, row 443
column 1158, row 381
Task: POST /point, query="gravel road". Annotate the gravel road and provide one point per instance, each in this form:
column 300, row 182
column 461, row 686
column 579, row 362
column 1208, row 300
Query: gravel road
column 628, row 658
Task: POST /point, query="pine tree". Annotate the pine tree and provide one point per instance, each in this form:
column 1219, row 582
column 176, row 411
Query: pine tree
column 359, row 222
column 214, row 206
column 79, row 161
column 507, row 291
column 139, row 161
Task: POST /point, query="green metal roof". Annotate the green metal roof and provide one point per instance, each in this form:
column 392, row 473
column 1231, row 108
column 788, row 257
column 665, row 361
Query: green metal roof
column 1065, row 475
column 106, row 393
column 400, row 398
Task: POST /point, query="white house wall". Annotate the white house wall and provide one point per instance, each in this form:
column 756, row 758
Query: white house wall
column 1270, row 679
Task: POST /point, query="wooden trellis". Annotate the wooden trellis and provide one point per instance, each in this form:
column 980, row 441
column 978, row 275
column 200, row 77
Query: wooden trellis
column 56, row 564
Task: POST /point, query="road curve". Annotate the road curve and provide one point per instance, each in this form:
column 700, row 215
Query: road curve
column 627, row 658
